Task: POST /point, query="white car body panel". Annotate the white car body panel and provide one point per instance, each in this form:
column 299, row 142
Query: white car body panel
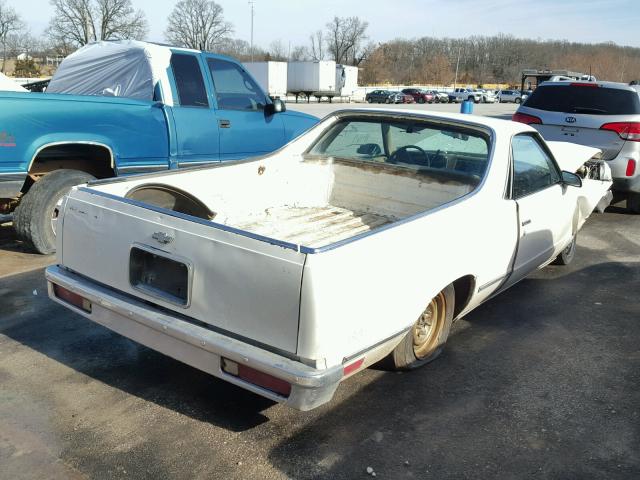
column 323, row 299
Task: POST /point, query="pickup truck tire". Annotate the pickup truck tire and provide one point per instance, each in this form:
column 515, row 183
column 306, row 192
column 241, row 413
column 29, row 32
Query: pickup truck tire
column 568, row 254
column 35, row 215
column 426, row 339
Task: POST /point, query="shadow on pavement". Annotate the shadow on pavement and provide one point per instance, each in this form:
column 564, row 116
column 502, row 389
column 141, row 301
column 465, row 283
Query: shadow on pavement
column 88, row 348
column 539, row 382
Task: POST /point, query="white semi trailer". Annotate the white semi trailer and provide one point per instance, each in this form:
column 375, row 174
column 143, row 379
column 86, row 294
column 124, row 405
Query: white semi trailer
column 309, row 79
column 271, row 76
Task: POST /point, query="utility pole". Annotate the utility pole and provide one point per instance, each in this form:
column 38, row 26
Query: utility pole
column 252, row 3
column 455, row 81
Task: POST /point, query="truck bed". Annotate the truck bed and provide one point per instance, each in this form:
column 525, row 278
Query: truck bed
column 307, row 202
column 314, row 226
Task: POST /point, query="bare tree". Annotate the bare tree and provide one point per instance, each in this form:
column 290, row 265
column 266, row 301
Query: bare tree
column 79, row 22
column 198, row 24
column 10, row 22
column 277, row 51
column 317, row 45
column 299, row 53
column 346, row 36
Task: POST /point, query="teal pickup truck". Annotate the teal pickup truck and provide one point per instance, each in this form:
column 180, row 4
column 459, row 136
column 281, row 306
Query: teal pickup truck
column 125, row 107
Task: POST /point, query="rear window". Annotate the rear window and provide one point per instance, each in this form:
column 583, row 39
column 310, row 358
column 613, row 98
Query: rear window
column 585, row 100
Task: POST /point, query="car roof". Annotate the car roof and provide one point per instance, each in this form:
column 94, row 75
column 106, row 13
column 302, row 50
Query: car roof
column 616, row 85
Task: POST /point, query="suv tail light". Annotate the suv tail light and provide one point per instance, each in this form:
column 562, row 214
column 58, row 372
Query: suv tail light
column 527, row 119
column 625, row 130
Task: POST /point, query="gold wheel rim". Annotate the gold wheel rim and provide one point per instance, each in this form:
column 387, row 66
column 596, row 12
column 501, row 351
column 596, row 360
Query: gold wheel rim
column 428, row 326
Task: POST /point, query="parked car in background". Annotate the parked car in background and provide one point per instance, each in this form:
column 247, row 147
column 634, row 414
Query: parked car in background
column 509, row 96
column 488, row 96
column 439, row 97
column 463, row 94
column 363, row 239
column 420, row 96
column 117, row 108
column 604, row 115
column 400, row 97
column 379, row 96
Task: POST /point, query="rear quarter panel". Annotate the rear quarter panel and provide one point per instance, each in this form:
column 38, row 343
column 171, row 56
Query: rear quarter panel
column 135, row 131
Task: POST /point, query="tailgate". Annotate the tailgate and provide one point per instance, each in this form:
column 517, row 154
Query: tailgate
column 582, row 131
column 238, row 284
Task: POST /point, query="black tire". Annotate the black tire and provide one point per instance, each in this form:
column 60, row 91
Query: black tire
column 518, row 100
column 387, row 101
column 404, row 356
column 436, row 100
column 568, row 254
column 33, row 216
column 369, row 100
column 421, row 100
column 633, row 203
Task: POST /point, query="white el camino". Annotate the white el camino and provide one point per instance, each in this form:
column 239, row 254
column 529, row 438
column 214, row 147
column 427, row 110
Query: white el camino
column 361, row 240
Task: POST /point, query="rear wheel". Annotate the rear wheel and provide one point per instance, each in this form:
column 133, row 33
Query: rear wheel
column 568, row 254
column 518, row 100
column 426, row 339
column 370, row 100
column 421, row 100
column 633, row 202
column 36, row 217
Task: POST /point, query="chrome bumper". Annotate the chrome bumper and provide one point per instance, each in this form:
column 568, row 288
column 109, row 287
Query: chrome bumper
column 194, row 345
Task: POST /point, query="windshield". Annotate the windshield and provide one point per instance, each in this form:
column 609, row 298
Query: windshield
column 585, row 100
column 409, row 143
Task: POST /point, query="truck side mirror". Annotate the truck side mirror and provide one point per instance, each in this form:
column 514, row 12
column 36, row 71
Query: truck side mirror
column 276, row 106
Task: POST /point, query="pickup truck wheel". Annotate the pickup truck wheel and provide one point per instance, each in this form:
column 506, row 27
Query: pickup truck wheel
column 426, row 339
column 36, row 216
column 568, row 254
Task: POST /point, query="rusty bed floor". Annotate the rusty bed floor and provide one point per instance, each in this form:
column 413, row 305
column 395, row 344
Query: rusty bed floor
column 313, row 226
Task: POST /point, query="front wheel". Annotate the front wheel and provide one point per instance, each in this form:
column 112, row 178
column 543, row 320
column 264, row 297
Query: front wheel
column 426, row 339
column 369, row 100
column 36, row 217
column 518, row 100
column 568, row 254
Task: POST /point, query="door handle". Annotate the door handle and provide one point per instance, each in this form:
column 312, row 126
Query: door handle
column 526, row 222
column 224, row 123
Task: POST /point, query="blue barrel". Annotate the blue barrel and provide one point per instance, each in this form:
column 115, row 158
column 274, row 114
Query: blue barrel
column 466, row 107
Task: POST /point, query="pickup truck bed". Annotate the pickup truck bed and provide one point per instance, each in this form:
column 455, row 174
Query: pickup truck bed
column 312, row 203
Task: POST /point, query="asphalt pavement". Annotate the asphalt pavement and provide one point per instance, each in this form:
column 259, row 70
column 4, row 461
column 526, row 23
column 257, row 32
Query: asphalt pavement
column 540, row 382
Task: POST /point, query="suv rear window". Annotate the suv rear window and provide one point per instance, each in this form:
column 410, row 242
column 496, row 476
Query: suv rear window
column 585, row 100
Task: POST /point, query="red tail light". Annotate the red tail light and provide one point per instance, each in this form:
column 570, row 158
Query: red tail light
column 72, row 298
column 625, row 130
column 581, row 84
column 631, row 168
column 256, row 377
column 527, row 119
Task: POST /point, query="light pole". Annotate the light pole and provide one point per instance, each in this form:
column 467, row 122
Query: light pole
column 251, row 2
column 455, row 81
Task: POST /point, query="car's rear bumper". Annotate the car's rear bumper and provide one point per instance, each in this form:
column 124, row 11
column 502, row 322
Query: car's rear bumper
column 628, row 185
column 195, row 345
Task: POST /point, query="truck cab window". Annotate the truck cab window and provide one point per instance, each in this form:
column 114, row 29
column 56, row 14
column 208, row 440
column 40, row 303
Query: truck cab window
column 189, row 81
column 235, row 89
column 533, row 168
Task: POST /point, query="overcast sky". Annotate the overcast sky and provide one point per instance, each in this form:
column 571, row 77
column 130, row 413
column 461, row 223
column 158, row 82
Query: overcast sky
column 590, row 21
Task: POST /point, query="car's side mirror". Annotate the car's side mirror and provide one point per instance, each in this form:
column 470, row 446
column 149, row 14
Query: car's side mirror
column 571, row 179
column 276, row 106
